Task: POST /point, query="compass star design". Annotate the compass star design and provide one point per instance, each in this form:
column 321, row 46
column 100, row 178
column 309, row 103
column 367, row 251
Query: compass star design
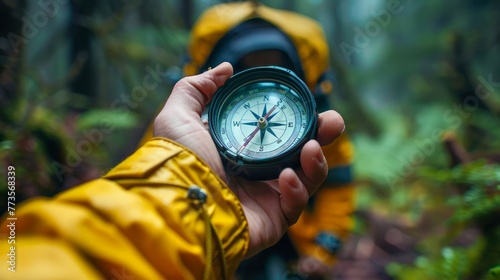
column 264, row 124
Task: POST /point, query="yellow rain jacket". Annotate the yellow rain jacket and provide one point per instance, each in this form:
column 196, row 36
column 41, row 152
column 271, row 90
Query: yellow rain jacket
column 160, row 214
column 330, row 212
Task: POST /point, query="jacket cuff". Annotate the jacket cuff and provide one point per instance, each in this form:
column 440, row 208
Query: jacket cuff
column 165, row 163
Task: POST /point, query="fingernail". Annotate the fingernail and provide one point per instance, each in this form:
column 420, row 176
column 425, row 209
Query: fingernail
column 210, row 68
column 320, row 158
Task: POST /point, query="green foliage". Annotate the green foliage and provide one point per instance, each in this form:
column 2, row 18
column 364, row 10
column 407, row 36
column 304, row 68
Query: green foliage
column 451, row 263
column 475, row 204
column 479, row 173
column 96, row 118
column 415, row 87
column 494, row 273
column 481, row 196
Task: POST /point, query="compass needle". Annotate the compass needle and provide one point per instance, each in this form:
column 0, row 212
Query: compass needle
column 249, row 138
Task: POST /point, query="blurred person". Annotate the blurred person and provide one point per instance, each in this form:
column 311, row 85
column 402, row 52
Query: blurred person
column 165, row 212
column 247, row 35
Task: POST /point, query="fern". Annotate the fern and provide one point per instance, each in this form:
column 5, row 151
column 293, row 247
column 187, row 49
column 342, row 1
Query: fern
column 475, row 204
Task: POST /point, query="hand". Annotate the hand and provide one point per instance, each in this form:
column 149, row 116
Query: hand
column 270, row 206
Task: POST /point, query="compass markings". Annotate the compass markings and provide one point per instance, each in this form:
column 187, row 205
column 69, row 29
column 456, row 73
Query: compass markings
column 253, row 117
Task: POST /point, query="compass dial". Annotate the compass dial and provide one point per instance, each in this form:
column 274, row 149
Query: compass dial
column 260, row 120
column 264, row 123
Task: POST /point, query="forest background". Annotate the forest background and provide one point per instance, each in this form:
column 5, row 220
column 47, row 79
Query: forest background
column 418, row 86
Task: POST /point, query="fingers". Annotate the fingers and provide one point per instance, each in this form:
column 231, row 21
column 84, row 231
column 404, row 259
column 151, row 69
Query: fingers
column 297, row 187
column 294, row 195
column 314, row 167
column 330, row 126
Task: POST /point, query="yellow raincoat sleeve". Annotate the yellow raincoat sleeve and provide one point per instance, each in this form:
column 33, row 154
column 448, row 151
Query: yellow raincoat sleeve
column 160, row 214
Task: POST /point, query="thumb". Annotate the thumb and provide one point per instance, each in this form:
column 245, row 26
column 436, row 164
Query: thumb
column 191, row 94
column 188, row 99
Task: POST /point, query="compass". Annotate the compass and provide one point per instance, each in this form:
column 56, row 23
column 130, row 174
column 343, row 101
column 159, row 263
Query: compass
column 260, row 120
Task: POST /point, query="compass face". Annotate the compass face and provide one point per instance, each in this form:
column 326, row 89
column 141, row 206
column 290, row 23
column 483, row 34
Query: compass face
column 264, row 121
column 261, row 121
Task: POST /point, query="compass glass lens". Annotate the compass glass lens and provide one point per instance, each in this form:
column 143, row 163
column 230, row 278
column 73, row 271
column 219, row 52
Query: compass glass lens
column 262, row 120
